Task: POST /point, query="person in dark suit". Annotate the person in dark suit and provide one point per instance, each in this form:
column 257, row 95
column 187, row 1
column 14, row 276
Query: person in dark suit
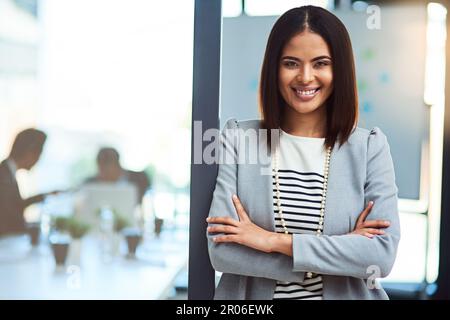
column 110, row 170
column 25, row 152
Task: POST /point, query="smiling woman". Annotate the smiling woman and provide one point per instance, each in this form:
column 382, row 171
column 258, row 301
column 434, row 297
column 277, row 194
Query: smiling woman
column 306, row 81
column 291, row 235
column 310, row 48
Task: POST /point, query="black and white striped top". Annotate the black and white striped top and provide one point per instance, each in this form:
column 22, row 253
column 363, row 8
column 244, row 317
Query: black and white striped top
column 301, row 168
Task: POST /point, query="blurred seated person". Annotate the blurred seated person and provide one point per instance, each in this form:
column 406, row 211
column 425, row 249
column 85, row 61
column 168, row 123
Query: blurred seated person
column 110, row 170
column 25, row 152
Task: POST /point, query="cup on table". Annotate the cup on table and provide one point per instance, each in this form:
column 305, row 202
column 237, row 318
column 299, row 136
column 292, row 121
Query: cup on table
column 158, row 226
column 60, row 246
column 34, row 231
column 133, row 236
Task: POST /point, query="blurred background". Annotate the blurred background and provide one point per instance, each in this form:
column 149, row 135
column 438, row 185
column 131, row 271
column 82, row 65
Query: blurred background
column 111, row 85
column 94, row 74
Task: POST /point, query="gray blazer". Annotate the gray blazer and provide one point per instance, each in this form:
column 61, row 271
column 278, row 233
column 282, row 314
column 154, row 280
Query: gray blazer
column 360, row 170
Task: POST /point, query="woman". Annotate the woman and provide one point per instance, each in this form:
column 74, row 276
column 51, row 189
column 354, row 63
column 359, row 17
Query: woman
column 300, row 233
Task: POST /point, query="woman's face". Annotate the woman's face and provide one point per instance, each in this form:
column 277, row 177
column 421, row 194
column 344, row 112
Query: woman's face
column 305, row 76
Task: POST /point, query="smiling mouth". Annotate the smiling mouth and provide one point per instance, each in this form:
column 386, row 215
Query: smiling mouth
column 305, row 94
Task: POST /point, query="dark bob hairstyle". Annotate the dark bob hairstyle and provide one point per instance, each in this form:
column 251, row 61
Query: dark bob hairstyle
column 342, row 104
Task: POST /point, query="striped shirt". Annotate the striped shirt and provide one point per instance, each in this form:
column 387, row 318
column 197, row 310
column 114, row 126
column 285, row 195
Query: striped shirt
column 300, row 170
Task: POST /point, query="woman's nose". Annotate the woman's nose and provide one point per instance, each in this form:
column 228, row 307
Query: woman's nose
column 305, row 75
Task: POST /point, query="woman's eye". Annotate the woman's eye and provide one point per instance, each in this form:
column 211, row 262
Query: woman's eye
column 322, row 64
column 290, row 64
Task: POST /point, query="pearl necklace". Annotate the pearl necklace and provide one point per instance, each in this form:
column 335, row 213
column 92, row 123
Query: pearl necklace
column 324, row 194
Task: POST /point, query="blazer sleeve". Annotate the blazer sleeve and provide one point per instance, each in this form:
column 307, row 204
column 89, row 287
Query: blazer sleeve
column 352, row 255
column 32, row 200
column 235, row 258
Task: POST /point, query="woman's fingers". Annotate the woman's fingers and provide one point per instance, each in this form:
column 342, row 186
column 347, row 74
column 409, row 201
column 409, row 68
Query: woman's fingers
column 240, row 208
column 228, row 220
column 375, row 224
column 363, row 215
column 369, row 232
column 226, row 238
column 223, row 220
column 363, row 233
column 223, row 229
column 374, row 231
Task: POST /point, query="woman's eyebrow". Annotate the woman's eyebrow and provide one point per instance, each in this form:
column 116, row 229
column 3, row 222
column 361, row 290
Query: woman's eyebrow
column 299, row 60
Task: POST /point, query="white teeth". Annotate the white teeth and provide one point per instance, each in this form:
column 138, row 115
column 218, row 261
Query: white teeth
column 306, row 92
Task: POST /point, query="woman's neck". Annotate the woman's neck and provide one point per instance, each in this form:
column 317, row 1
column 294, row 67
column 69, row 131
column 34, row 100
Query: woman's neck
column 305, row 125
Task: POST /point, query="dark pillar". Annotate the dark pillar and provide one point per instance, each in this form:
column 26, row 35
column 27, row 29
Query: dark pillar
column 205, row 108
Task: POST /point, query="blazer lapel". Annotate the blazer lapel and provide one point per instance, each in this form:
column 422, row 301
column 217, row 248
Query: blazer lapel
column 266, row 180
column 256, row 189
column 337, row 217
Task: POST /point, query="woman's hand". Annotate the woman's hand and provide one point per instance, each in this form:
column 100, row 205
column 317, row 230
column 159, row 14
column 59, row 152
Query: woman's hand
column 243, row 232
column 369, row 228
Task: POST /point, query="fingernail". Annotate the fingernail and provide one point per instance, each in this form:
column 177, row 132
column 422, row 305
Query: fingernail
column 209, row 228
column 387, row 223
column 234, row 197
column 370, row 202
column 214, row 239
column 382, row 232
column 207, row 219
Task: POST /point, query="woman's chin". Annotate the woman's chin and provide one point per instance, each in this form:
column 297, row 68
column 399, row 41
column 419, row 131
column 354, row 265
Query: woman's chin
column 305, row 108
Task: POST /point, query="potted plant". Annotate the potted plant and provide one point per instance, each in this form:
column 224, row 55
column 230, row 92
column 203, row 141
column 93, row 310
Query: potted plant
column 60, row 224
column 76, row 228
column 120, row 222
